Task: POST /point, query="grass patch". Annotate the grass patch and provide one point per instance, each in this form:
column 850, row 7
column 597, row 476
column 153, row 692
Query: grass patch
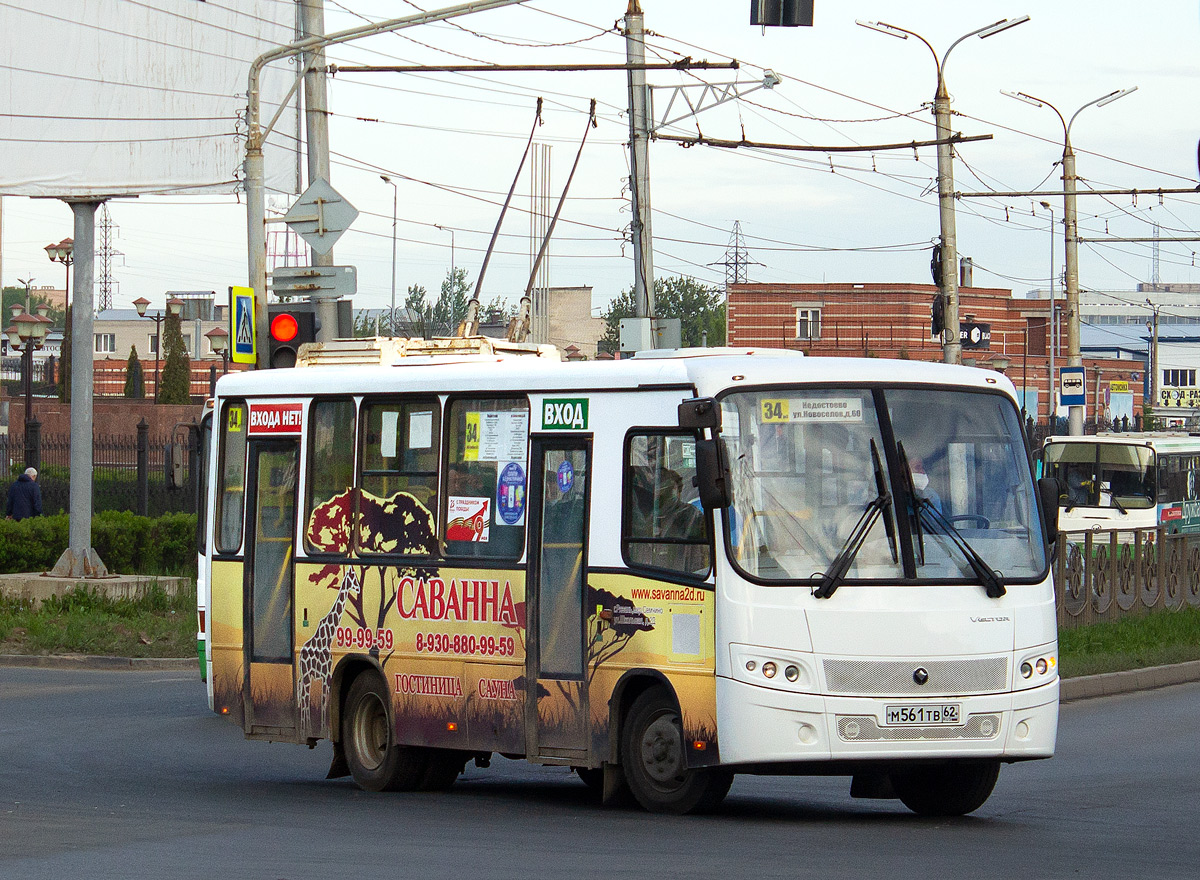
column 85, row 621
column 1154, row 639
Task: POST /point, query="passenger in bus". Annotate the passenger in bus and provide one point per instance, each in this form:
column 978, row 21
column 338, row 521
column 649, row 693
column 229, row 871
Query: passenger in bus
column 921, row 483
column 659, row 511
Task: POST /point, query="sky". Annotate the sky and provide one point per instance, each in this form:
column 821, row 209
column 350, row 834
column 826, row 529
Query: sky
column 453, row 141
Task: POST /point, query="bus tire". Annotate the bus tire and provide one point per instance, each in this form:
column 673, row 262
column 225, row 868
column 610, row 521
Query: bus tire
column 655, row 765
column 442, row 769
column 951, row 789
column 369, row 741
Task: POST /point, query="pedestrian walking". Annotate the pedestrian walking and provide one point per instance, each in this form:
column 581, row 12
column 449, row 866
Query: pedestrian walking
column 24, row 497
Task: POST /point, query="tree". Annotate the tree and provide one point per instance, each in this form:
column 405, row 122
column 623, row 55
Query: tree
column 135, row 381
column 451, row 305
column 177, row 367
column 64, row 363
column 700, row 309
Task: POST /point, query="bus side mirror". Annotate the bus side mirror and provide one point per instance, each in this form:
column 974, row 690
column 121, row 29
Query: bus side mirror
column 173, row 465
column 698, row 413
column 712, row 474
column 1049, row 491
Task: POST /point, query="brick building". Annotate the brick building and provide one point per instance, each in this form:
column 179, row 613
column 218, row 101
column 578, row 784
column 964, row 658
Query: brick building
column 893, row 321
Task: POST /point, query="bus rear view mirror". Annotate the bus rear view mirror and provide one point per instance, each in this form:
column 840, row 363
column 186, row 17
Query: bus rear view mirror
column 699, row 413
column 712, row 474
column 1049, row 490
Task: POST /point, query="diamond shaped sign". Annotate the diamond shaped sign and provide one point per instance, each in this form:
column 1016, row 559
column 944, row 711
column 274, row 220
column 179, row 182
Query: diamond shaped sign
column 320, row 216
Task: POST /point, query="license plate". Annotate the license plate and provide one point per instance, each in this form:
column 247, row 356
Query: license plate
column 922, row 714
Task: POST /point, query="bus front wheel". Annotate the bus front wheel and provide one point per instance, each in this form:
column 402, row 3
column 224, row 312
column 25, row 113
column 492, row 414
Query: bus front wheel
column 952, row 789
column 655, row 766
column 369, row 741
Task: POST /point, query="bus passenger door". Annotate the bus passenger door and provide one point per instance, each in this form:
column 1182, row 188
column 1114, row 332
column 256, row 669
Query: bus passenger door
column 269, row 694
column 556, row 707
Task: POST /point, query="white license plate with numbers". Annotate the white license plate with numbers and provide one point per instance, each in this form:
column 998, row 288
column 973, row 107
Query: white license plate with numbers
column 922, row 714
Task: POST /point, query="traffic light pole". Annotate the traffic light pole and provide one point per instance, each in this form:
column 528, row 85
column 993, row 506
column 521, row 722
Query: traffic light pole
column 257, row 132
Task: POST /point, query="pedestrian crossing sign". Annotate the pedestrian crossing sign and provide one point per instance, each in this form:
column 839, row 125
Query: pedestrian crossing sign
column 244, row 349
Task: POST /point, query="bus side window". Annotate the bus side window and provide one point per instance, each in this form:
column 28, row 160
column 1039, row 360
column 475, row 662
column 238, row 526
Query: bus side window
column 328, row 506
column 397, row 508
column 231, row 491
column 486, row 479
column 663, row 523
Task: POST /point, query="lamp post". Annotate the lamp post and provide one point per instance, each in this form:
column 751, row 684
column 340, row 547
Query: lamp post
column 948, row 282
column 392, row 314
column 27, row 333
column 63, row 252
column 451, row 231
column 1071, row 230
column 174, row 307
column 1052, row 334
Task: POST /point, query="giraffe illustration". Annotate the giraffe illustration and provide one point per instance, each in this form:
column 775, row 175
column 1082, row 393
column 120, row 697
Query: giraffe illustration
column 316, row 657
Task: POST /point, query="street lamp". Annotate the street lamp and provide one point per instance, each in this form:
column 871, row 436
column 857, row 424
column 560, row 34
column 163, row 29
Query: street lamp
column 174, row 307
column 1071, row 230
column 218, row 341
column 63, row 252
column 27, row 333
column 948, row 282
column 392, row 314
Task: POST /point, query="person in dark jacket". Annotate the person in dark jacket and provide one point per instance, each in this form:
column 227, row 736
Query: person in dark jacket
column 24, row 497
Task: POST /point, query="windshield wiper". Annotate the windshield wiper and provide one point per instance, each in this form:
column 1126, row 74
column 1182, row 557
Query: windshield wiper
column 907, row 479
column 993, row 584
column 836, row 573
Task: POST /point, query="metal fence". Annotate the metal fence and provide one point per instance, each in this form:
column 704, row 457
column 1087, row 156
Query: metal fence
column 128, row 472
column 1113, row 574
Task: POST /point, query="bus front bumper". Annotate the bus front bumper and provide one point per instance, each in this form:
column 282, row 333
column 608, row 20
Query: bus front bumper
column 759, row 725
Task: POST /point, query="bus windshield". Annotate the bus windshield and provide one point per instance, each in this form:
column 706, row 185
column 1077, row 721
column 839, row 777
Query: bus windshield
column 1117, row 475
column 803, row 473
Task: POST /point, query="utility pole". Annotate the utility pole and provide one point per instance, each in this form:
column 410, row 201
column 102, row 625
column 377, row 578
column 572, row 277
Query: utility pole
column 316, row 125
column 948, row 283
column 639, row 164
column 1152, row 363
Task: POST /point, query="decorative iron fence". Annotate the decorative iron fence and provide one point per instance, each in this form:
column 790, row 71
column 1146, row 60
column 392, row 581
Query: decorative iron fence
column 128, row 472
column 1113, row 574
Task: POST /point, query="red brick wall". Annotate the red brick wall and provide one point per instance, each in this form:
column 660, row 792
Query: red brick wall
column 893, row 321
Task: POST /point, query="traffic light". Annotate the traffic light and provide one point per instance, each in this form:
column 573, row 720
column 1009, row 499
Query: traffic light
column 290, row 325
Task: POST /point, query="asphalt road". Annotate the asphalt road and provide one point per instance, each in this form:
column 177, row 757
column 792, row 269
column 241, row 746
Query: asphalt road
column 126, row 774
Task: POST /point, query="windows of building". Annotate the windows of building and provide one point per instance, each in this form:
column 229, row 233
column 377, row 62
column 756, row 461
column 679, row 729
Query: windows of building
column 1179, row 378
column 106, row 343
column 808, row 323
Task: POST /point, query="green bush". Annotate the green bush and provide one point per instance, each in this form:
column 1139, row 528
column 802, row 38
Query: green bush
column 125, row 542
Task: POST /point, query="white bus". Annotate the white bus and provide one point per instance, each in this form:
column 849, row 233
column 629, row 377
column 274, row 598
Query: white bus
column 660, row 571
column 1126, row 481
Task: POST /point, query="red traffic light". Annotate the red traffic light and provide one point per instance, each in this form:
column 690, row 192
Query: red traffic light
column 284, row 327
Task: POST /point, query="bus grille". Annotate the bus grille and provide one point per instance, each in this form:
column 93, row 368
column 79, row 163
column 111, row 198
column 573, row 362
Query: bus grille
column 870, row 677
column 864, row 728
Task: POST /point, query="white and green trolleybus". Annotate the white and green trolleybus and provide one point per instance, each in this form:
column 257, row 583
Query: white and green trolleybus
column 661, row 571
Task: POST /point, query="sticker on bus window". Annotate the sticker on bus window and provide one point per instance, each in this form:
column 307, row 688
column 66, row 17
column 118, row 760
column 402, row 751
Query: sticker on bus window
column 566, row 477
column 235, row 420
column 510, row 495
column 816, row 409
column 502, row 436
column 471, row 446
column 387, row 433
column 467, row 519
column 420, row 429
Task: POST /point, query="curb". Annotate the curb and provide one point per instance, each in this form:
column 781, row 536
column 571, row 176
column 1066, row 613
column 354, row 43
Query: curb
column 84, row 661
column 1108, row 684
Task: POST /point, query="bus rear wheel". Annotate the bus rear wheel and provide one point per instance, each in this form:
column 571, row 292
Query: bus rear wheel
column 369, row 741
column 952, row 789
column 655, row 765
